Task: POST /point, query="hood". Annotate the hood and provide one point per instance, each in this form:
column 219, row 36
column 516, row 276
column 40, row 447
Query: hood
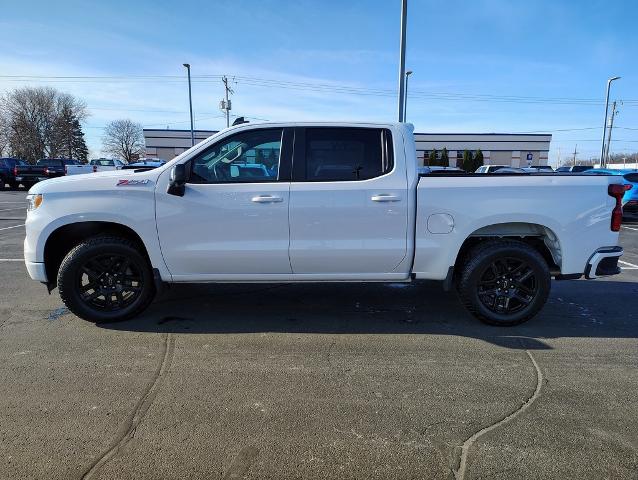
column 96, row 181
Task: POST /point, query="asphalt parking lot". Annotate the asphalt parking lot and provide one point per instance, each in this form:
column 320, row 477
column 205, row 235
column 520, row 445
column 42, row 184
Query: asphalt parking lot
column 317, row 381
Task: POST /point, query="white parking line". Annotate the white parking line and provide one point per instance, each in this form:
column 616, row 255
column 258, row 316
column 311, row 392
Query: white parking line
column 630, row 266
column 11, row 259
column 630, row 228
column 14, row 208
column 15, row 226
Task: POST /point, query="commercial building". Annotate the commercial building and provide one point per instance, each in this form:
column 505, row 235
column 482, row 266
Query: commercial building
column 167, row 144
column 517, row 150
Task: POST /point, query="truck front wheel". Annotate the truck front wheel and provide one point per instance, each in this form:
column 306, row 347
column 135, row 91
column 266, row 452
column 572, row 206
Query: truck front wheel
column 504, row 282
column 106, row 279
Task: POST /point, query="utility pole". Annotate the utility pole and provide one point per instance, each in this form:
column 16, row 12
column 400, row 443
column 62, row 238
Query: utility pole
column 575, row 152
column 404, row 19
column 611, row 127
column 559, row 156
column 602, row 147
column 225, row 105
column 190, row 101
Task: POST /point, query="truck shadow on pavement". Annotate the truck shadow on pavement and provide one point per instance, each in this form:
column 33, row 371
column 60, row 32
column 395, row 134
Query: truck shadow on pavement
column 575, row 309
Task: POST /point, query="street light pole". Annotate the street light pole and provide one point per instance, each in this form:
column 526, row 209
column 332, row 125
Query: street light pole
column 404, row 18
column 405, row 104
column 190, row 102
column 603, row 163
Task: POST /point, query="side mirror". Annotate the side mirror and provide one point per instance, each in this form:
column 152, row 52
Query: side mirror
column 177, row 180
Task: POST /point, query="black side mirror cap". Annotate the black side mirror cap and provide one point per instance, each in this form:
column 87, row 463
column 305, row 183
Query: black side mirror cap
column 177, row 180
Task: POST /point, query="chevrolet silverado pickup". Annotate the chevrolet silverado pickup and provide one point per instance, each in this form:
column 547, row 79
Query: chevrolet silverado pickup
column 318, row 202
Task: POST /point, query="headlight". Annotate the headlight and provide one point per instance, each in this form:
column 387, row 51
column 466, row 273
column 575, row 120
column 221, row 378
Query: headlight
column 34, row 201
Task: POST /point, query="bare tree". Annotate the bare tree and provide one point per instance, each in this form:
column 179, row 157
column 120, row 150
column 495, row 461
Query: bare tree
column 35, row 121
column 124, row 139
column 4, row 135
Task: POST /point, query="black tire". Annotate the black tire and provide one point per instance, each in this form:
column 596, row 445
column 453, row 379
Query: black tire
column 504, row 282
column 2, row 186
column 14, row 185
column 28, row 185
column 106, row 279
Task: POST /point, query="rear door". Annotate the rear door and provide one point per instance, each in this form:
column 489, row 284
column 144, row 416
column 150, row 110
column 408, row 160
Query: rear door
column 348, row 202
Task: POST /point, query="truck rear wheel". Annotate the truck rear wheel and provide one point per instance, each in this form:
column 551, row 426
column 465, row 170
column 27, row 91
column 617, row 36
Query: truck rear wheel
column 106, row 279
column 504, row 282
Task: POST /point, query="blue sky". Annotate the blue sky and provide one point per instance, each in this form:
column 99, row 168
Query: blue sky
column 469, row 59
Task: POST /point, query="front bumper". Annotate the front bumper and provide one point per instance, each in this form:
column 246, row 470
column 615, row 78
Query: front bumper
column 37, row 271
column 604, row 262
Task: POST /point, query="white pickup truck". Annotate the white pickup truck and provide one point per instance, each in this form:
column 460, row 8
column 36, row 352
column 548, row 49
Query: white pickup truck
column 318, row 202
column 95, row 166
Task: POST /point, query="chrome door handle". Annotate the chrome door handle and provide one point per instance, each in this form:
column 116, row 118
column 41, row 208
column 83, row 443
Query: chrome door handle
column 385, row 198
column 267, row 199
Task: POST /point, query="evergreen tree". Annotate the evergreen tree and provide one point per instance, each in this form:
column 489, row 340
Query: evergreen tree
column 79, row 149
column 445, row 158
column 478, row 160
column 432, row 161
column 468, row 161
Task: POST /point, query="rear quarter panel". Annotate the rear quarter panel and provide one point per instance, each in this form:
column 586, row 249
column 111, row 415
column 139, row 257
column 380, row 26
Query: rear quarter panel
column 577, row 209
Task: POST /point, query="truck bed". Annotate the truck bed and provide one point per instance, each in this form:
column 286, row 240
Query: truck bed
column 561, row 209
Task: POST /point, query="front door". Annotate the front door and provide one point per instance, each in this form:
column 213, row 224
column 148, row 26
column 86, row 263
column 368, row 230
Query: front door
column 233, row 217
column 348, row 203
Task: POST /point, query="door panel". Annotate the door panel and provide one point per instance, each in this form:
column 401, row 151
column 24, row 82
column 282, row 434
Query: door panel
column 350, row 226
column 233, row 217
column 220, row 229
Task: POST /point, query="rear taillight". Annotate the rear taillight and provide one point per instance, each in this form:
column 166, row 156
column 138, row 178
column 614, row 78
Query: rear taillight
column 94, row 168
column 46, row 171
column 617, row 191
column 628, row 187
column 15, row 171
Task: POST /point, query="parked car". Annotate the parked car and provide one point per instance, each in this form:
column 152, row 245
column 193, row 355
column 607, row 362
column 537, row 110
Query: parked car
column 539, row 169
column 146, row 164
column 489, row 168
column 427, row 170
column 513, row 170
column 7, row 171
column 44, row 169
column 95, row 165
column 630, row 180
column 345, row 203
column 573, row 169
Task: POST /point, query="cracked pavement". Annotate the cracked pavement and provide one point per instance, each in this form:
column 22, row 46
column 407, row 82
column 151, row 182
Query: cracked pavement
column 317, row 381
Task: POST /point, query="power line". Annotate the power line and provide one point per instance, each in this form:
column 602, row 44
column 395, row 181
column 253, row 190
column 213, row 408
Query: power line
column 317, row 87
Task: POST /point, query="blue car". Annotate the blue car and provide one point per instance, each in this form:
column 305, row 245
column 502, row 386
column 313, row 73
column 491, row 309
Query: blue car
column 630, row 179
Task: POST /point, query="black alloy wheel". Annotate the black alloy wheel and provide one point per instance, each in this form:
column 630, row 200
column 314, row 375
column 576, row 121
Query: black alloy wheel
column 504, row 282
column 507, row 285
column 109, row 282
column 106, row 279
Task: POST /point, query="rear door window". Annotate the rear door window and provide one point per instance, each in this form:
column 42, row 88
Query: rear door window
column 346, row 154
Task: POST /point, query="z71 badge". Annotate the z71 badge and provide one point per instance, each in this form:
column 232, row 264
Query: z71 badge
column 131, row 183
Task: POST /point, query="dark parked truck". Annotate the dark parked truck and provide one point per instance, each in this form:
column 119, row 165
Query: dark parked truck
column 7, row 171
column 29, row 175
